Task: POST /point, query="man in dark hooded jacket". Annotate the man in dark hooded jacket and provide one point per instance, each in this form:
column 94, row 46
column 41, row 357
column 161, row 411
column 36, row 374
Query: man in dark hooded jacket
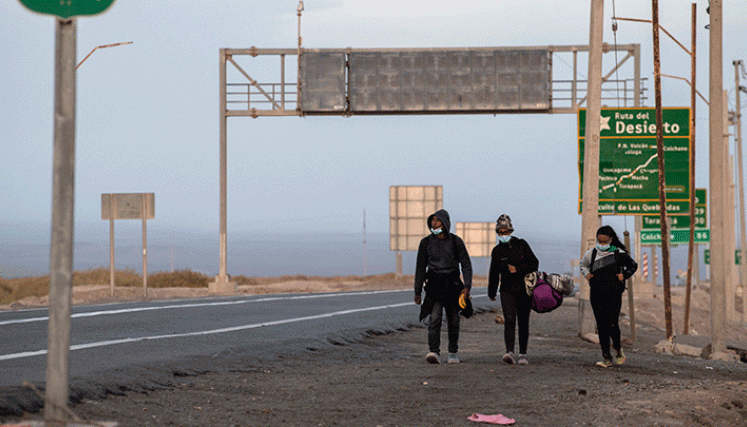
column 440, row 255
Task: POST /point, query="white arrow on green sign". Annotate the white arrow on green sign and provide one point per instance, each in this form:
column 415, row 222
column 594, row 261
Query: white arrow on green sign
column 66, row 9
column 677, row 236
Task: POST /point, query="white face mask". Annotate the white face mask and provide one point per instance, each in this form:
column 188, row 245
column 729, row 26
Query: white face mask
column 437, row 231
column 504, row 239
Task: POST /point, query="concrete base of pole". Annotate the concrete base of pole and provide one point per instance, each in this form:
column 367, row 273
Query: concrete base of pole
column 724, row 356
column 222, row 286
column 586, row 324
column 643, row 288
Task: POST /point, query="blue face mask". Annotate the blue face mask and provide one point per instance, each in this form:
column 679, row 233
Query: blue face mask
column 504, row 239
column 603, row 247
column 437, row 231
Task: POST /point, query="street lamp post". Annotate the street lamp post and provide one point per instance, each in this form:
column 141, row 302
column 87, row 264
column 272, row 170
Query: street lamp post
column 100, row 47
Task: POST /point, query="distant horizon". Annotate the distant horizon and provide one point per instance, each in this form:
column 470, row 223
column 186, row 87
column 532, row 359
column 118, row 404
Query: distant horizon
column 255, row 253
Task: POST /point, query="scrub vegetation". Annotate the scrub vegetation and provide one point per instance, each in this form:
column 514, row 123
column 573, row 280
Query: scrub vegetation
column 16, row 289
column 12, row 290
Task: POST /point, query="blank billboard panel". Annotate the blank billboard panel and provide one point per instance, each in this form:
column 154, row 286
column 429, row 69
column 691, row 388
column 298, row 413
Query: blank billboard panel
column 322, row 81
column 409, row 208
column 441, row 81
column 479, row 237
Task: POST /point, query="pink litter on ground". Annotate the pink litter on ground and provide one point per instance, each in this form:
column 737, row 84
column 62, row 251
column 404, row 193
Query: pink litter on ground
column 492, row 419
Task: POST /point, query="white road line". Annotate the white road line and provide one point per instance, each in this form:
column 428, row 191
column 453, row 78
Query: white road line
column 198, row 333
column 193, row 305
column 213, row 331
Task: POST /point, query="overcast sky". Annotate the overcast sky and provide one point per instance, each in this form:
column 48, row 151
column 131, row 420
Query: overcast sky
column 147, row 114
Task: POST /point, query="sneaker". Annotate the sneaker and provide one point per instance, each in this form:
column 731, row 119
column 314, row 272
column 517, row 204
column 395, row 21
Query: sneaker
column 432, row 358
column 453, row 358
column 508, row 358
column 523, row 360
column 604, row 363
column 620, row 358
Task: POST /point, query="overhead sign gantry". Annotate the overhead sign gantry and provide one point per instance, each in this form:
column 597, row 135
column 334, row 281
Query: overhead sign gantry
column 354, row 82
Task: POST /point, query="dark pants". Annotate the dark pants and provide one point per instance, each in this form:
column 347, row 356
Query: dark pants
column 434, row 327
column 606, row 303
column 516, row 306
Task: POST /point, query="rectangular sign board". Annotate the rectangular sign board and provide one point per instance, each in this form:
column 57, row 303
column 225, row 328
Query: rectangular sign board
column 677, row 236
column 426, row 80
column 628, row 167
column 479, row 237
column 128, row 205
column 653, row 222
column 323, row 77
column 409, row 208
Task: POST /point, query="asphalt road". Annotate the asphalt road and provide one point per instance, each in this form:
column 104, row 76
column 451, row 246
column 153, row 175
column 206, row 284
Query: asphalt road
column 109, row 340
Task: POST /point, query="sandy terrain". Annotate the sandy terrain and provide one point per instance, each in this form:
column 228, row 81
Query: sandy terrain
column 384, row 381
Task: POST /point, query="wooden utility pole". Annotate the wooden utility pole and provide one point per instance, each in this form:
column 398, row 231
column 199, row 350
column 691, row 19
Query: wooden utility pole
column 740, row 174
column 629, row 285
column 691, row 243
column 662, row 180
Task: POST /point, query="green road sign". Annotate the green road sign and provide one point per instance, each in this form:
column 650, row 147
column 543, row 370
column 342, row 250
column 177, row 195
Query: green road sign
column 653, row 222
column 737, row 256
column 628, row 168
column 67, row 8
column 677, row 236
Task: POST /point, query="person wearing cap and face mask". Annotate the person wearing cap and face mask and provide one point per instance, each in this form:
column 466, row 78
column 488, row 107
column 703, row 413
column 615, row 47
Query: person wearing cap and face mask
column 510, row 261
column 440, row 255
column 606, row 267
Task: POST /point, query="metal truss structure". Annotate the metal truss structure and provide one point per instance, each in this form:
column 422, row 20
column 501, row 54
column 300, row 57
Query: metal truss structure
column 350, row 82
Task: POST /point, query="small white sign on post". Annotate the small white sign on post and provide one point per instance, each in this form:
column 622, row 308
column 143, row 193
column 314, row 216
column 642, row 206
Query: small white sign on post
column 140, row 206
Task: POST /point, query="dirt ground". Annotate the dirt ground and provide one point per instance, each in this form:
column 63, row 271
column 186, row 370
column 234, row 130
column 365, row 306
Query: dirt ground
column 385, row 381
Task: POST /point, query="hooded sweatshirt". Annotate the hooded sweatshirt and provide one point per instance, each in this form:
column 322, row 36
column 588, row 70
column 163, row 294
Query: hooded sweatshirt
column 442, row 256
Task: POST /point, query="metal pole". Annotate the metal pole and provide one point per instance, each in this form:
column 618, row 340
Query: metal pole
column 740, row 169
column 637, row 103
column 299, row 107
column 637, row 74
column 691, row 243
column 637, row 249
column 730, row 226
column 111, row 243
column 282, row 81
column 61, row 248
column 223, row 172
column 662, row 178
column 574, row 82
column 696, row 267
column 590, row 212
column 365, row 253
column 398, row 266
column 629, row 285
column 654, row 269
column 145, row 246
column 717, row 172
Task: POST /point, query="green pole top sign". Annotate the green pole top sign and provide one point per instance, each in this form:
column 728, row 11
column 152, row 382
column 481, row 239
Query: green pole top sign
column 67, row 9
column 628, row 160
